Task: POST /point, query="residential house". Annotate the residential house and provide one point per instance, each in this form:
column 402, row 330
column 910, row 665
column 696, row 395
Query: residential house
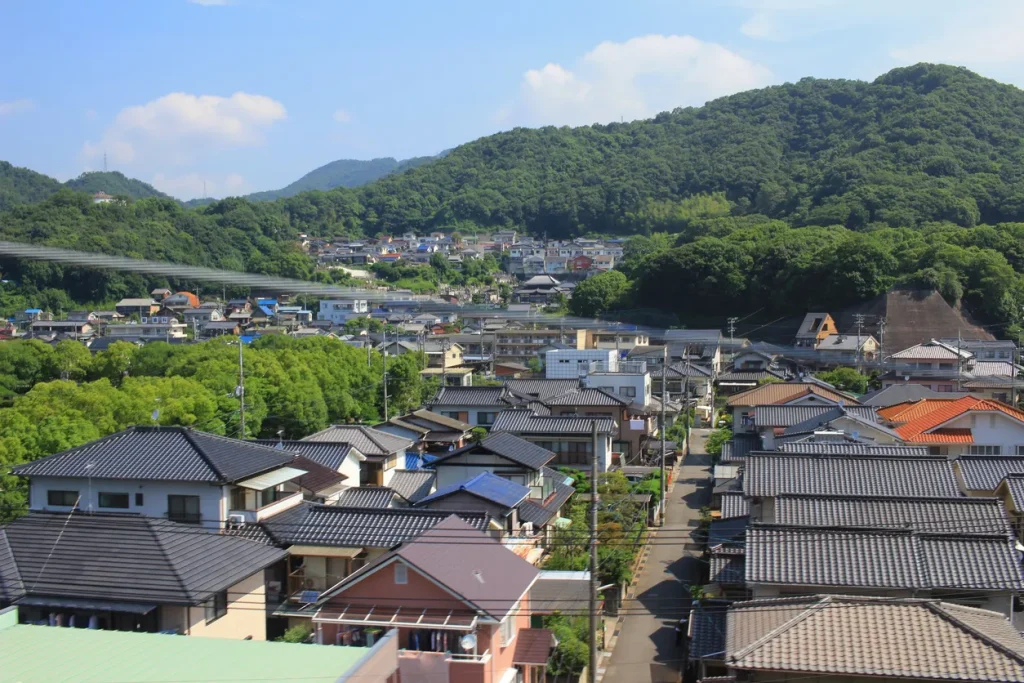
column 847, row 349
column 201, row 316
column 569, row 437
column 160, row 293
column 619, row 340
column 451, row 377
column 575, row 363
column 933, row 364
column 140, row 307
column 629, row 418
column 815, row 328
column 340, row 311
column 903, row 393
column 848, row 638
column 433, row 431
column 180, row 301
column 133, row 573
column 542, row 389
column 743, row 404
column 627, row 379
column 166, row 331
column 340, row 457
column 76, row 328
column 140, row 654
column 382, row 452
column 171, row 473
column 461, row 608
column 476, row 406
column 966, row 425
column 220, row 329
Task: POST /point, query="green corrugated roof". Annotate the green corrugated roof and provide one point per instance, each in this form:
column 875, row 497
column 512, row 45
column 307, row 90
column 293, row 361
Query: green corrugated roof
column 31, row 654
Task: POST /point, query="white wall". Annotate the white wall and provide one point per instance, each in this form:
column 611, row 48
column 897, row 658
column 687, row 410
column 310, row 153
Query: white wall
column 212, row 498
column 992, row 429
column 341, row 310
column 641, row 385
column 564, row 363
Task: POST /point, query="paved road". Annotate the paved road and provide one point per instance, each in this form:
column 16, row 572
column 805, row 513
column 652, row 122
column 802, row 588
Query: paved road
column 646, row 650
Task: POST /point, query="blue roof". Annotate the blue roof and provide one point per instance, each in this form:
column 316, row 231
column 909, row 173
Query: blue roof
column 249, row 338
column 488, row 486
column 415, row 461
column 266, row 302
column 33, row 310
column 266, row 310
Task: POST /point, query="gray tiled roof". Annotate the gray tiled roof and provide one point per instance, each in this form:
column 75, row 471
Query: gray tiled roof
column 525, row 422
column 728, row 565
column 984, row 472
column 473, row 396
column 330, row 525
column 11, row 586
column 371, row 442
column 366, row 497
column 412, row 485
column 850, row 448
column 560, row 591
column 330, row 455
column 752, row 376
column 936, row 515
column 161, row 454
column 772, row 475
column 542, row 388
column 129, row 558
column 879, row 558
column 903, row 393
column 739, row 447
column 839, row 412
column 787, row 416
column 541, row 512
column 508, row 446
column 734, row 504
column 708, row 630
column 1015, row 486
column 587, row 397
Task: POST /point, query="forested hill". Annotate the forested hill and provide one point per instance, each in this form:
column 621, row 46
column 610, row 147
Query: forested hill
column 341, row 173
column 24, row 186
column 918, row 144
column 113, row 183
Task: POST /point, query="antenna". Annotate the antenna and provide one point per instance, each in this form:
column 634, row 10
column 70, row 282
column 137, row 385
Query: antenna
column 104, row 162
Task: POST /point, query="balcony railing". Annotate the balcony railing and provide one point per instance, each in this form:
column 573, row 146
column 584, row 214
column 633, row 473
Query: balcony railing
column 268, row 510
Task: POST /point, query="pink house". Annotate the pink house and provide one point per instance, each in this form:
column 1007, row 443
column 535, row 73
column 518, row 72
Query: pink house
column 459, row 601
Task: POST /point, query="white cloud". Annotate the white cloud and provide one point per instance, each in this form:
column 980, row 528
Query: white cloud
column 988, row 34
column 342, row 116
column 634, row 79
column 177, row 127
column 16, row 106
column 762, row 25
column 192, row 185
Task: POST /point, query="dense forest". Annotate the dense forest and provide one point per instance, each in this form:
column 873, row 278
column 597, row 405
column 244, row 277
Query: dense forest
column 113, row 183
column 60, row 397
column 816, row 193
column 24, row 186
column 341, row 173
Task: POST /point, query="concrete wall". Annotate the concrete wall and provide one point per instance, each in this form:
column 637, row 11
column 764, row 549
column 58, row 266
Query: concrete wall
column 565, row 363
column 212, row 499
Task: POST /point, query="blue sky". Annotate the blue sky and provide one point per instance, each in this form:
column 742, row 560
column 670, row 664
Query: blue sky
column 248, row 95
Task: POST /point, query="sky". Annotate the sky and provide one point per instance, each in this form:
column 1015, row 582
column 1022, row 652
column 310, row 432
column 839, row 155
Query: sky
column 247, row 95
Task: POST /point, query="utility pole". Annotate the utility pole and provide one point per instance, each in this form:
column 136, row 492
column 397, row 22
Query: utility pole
column 686, row 397
column 959, row 363
column 664, row 398
column 881, row 342
column 859, row 318
column 445, row 344
column 241, row 391
column 732, row 332
column 592, row 669
column 385, row 357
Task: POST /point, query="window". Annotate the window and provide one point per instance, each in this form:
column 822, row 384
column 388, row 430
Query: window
column 1020, row 450
column 985, row 450
column 628, row 392
column 183, row 509
column 453, row 414
column 217, row 606
column 945, row 366
column 508, row 628
column 114, row 500
column 401, row 573
column 138, row 500
column 483, row 418
column 63, row 498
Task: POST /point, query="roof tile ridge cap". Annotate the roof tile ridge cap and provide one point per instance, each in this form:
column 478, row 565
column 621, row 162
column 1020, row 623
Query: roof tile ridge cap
column 152, row 528
column 187, row 434
column 812, row 610
column 937, row 606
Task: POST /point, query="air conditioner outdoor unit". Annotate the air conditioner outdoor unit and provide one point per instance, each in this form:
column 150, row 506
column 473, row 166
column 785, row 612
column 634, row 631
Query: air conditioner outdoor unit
column 235, row 521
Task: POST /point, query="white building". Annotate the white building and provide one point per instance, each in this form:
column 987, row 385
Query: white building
column 171, row 329
column 626, row 379
column 571, row 363
column 342, row 310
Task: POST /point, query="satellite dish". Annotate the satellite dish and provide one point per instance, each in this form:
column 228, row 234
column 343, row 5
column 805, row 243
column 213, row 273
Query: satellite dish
column 468, row 641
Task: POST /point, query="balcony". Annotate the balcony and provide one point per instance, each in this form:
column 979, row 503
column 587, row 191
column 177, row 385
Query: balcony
column 441, row 667
column 622, row 367
column 268, row 509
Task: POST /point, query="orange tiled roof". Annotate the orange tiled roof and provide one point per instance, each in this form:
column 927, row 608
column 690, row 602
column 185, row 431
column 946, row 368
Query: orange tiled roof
column 912, row 410
column 780, row 393
column 924, row 429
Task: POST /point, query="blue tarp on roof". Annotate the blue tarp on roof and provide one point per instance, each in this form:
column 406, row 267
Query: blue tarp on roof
column 488, row 486
column 267, row 311
column 33, row 310
column 266, row 302
column 249, row 338
column 415, row 461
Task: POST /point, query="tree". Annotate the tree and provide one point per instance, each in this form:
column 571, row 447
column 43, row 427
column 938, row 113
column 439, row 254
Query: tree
column 845, row 379
column 70, row 360
column 600, row 293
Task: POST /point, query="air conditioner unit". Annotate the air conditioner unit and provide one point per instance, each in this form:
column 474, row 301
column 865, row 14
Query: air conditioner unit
column 235, row 521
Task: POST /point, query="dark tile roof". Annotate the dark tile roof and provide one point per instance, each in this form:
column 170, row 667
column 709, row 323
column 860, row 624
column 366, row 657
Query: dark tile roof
column 560, row 591
column 525, row 422
column 984, row 472
column 1015, row 487
column 317, row 477
column 330, row 455
column 880, row 558
column 903, row 393
column 683, row 369
column 587, row 397
column 474, row 396
column 787, row 416
column 542, row 388
column 437, row 421
column 935, row 515
column 728, row 565
column 533, row 646
column 727, row 531
column 824, row 420
column 739, row 447
column 708, row 630
column 366, row 497
column 751, row 376
column 541, row 512
column 371, row 442
column 508, row 446
column 11, row 586
column 347, row 527
column 129, row 558
column 735, row 504
column 772, row 475
column 850, row 448
column 413, row 485
column 487, row 486
column 161, row 454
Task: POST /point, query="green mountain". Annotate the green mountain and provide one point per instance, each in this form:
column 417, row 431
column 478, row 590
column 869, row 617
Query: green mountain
column 23, row 186
column 342, row 173
column 113, row 183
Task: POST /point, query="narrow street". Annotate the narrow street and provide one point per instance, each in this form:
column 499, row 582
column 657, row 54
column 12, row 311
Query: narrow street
column 646, row 650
